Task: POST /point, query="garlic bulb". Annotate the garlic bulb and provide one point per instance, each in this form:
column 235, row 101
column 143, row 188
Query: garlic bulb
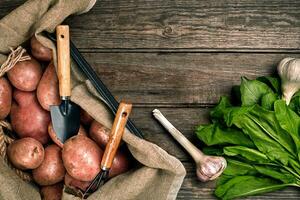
column 208, row 167
column 289, row 72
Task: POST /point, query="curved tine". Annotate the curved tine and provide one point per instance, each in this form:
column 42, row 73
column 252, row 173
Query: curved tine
column 89, row 189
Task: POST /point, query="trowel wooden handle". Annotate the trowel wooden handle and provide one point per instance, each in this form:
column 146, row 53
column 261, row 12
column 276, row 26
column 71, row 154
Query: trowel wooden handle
column 63, row 60
column 115, row 135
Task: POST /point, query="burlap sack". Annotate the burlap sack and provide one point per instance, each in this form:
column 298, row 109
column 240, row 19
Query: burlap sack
column 159, row 176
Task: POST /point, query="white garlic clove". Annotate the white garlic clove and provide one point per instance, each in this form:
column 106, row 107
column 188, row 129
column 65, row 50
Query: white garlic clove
column 289, row 72
column 210, row 168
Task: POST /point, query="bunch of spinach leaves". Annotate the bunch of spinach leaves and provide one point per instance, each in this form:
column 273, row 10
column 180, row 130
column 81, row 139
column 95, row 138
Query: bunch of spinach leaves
column 259, row 136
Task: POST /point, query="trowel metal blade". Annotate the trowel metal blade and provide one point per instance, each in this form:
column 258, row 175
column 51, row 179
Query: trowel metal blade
column 65, row 120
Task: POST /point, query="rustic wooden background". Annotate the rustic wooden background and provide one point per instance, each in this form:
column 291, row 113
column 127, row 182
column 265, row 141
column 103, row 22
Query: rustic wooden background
column 180, row 56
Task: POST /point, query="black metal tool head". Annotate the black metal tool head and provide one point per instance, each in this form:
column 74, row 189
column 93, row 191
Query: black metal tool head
column 98, row 181
column 65, row 119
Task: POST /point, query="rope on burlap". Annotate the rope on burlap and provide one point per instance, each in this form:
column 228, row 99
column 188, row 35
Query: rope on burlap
column 14, row 57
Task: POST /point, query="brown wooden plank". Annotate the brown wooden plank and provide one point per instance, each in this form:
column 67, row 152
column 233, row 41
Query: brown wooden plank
column 185, row 24
column 193, row 189
column 179, row 78
column 6, row 6
column 192, row 24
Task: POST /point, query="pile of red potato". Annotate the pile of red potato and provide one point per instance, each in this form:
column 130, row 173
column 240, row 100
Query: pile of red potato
column 25, row 96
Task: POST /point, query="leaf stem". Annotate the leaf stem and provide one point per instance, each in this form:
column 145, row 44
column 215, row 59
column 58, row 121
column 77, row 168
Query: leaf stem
column 292, row 172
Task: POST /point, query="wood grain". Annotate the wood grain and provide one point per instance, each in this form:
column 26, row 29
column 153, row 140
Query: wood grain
column 179, row 78
column 189, row 24
column 197, row 25
column 63, row 60
column 6, row 6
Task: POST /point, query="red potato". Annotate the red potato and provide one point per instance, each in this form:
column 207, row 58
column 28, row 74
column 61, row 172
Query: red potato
column 47, row 91
column 85, row 118
column 39, row 51
column 76, row 184
column 5, row 97
column 52, row 192
column 26, row 153
column 82, row 157
column 25, row 75
column 51, row 170
column 28, row 118
column 99, row 134
column 121, row 164
column 55, row 138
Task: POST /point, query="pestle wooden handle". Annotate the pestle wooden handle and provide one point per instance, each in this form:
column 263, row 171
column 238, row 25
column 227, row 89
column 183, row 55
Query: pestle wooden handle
column 63, row 60
column 115, row 135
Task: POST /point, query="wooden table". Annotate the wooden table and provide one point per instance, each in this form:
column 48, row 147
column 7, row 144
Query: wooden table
column 180, row 56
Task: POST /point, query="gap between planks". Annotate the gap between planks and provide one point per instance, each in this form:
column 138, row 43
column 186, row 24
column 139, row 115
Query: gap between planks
column 174, row 105
column 189, row 50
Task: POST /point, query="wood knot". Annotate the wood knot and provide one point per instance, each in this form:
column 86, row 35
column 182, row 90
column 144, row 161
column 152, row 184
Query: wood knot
column 168, row 31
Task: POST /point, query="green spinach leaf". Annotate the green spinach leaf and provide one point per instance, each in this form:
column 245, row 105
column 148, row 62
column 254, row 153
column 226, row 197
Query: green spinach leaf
column 235, row 168
column 214, row 134
column 264, row 143
column 247, row 153
column 259, row 137
column 289, row 121
column 272, row 82
column 276, row 173
column 217, row 113
column 252, row 91
column 223, row 179
column 267, row 121
column 295, row 103
column 213, row 150
column 267, row 100
column 236, row 187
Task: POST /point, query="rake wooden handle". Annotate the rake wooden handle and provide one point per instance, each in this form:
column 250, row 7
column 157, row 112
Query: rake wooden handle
column 115, row 135
column 63, row 60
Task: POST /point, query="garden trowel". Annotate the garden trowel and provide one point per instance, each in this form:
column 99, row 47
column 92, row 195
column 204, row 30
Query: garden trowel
column 66, row 116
